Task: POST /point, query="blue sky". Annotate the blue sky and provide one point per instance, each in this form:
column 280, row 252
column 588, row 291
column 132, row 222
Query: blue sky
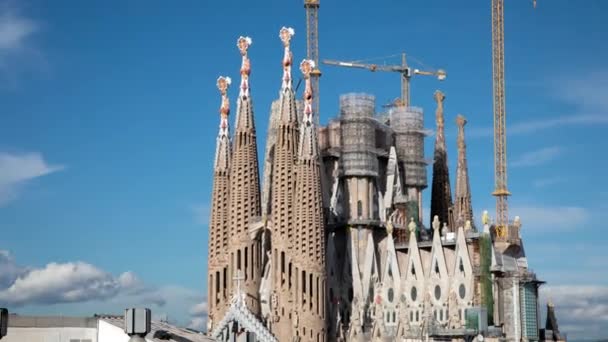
column 110, row 111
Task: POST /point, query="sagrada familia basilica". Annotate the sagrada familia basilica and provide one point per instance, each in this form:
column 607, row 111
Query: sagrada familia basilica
column 329, row 245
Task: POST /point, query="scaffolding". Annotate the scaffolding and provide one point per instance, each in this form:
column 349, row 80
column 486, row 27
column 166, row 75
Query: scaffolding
column 408, row 124
column 358, row 135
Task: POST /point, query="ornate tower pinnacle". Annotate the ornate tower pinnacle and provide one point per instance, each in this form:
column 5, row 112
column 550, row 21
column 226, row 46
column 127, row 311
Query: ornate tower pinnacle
column 243, row 43
column 307, row 66
column 244, row 191
column 464, row 209
column 441, row 200
column 439, row 119
column 219, row 220
column 309, row 249
column 285, row 34
column 222, row 84
column 282, row 207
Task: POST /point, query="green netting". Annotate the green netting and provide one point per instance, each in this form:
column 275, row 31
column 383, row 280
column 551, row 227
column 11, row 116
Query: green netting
column 412, row 211
column 487, row 299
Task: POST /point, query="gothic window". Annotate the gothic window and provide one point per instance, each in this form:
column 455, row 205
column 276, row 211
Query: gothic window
column 391, row 295
column 417, row 316
column 436, row 267
column 414, row 293
column 462, row 291
column 413, row 270
column 461, row 267
column 359, row 209
column 437, row 292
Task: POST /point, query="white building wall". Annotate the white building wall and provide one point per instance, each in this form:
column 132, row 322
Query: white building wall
column 54, row 334
column 110, row 333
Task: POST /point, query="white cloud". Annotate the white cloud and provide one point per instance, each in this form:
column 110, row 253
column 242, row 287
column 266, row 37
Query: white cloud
column 199, row 309
column 582, row 311
column 534, row 126
column 16, row 31
column 587, row 94
column 199, row 313
column 537, row 157
column 555, row 219
column 198, row 323
column 18, row 169
column 65, row 282
column 9, row 270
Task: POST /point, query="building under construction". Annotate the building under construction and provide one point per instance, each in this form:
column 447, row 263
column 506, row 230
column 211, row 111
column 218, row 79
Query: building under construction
column 329, row 245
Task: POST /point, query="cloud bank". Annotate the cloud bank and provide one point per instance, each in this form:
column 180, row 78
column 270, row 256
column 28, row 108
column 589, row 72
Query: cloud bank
column 64, row 285
column 582, row 311
column 18, row 169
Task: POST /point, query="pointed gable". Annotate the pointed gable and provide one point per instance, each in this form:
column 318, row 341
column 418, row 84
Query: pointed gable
column 437, row 267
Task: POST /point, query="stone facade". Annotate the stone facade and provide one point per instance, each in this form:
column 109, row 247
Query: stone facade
column 336, row 250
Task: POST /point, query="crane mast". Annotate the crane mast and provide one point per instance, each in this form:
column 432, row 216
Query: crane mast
column 312, row 50
column 500, row 145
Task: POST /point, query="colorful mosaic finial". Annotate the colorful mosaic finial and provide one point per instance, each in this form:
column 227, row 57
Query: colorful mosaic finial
column 285, row 34
column 223, row 83
column 243, row 43
column 307, row 66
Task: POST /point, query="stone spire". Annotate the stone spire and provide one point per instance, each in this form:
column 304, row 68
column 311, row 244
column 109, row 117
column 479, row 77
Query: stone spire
column 282, row 200
column 218, row 226
column 245, row 191
column 463, row 210
column 441, row 200
column 551, row 328
column 309, row 223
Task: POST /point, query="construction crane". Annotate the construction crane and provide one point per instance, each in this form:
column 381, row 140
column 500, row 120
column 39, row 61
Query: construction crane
column 500, row 137
column 312, row 50
column 405, row 71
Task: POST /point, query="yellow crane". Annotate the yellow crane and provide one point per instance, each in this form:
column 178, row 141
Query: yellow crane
column 405, row 71
column 500, row 137
column 312, row 51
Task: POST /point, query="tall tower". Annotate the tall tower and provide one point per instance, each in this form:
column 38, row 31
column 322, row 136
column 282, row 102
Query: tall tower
column 441, row 200
column 218, row 227
column 282, row 200
column 408, row 124
column 245, row 191
column 463, row 211
column 309, row 251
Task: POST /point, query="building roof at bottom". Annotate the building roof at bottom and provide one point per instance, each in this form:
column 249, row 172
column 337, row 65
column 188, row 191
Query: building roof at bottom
column 177, row 334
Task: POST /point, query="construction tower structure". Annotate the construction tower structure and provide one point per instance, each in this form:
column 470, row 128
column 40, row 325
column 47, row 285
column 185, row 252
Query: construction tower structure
column 500, row 136
column 312, row 51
